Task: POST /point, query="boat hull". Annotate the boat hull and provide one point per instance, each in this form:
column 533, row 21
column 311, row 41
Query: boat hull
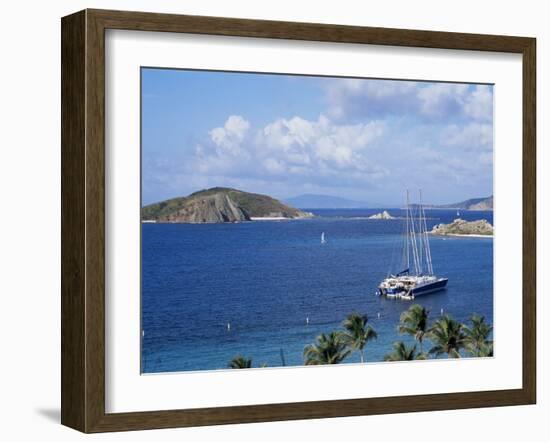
column 407, row 289
column 430, row 287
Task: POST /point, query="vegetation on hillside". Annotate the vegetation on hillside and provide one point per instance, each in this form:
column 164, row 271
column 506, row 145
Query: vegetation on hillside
column 218, row 204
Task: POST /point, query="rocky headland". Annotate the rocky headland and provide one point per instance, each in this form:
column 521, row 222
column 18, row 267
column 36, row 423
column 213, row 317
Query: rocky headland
column 460, row 227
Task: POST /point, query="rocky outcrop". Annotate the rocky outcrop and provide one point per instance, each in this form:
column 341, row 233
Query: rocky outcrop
column 219, row 205
column 462, row 227
column 382, row 215
column 218, row 208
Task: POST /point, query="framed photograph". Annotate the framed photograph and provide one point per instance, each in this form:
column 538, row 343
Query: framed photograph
column 269, row 220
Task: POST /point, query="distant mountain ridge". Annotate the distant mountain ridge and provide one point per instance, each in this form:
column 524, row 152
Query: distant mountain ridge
column 471, row 204
column 219, row 205
column 314, row 201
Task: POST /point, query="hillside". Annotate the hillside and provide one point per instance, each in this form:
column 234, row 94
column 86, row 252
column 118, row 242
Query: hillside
column 471, row 204
column 219, row 205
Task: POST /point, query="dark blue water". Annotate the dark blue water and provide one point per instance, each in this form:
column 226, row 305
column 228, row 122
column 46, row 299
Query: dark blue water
column 265, row 278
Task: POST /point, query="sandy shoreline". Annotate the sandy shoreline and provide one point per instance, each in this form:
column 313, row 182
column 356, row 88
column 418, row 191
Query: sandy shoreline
column 269, row 218
column 253, row 218
column 462, row 235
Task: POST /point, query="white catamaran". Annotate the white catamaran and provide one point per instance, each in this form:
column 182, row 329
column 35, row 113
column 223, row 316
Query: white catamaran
column 420, row 279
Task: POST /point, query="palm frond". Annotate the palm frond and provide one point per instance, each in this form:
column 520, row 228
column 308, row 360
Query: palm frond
column 401, row 352
column 357, row 333
column 240, row 362
column 329, row 349
column 478, row 342
column 414, row 322
column 447, row 336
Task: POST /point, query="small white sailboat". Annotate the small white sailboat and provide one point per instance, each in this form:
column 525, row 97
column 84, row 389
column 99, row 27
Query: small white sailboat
column 323, row 240
column 457, row 213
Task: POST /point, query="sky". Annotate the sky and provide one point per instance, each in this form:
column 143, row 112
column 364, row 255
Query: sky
column 285, row 135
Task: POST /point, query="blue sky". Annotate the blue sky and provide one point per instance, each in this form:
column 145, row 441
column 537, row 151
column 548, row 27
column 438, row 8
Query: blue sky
column 284, row 135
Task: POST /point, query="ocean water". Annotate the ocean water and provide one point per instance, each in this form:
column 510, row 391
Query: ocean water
column 265, row 278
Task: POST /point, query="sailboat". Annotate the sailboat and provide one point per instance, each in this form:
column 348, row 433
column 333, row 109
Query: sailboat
column 417, row 277
column 323, row 240
column 457, row 213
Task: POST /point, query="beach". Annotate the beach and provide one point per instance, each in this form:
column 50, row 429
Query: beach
column 462, row 235
column 269, row 218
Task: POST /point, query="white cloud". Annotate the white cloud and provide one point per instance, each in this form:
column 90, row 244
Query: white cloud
column 274, row 166
column 369, row 88
column 479, row 104
column 471, row 136
column 436, row 98
column 321, row 143
column 368, row 97
column 425, row 134
column 432, row 101
column 287, row 134
column 230, row 136
column 309, row 150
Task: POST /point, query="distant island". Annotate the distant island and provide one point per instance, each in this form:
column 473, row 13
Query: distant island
column 220, row 205
column 471, row 204
column 460, row 227
column 382, row 215
column 315, row 201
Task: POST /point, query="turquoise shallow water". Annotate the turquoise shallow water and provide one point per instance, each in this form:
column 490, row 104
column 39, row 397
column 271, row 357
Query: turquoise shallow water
column 265, row 278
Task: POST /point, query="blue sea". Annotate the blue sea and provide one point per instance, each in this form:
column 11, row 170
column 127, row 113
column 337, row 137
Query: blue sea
column 265, row 278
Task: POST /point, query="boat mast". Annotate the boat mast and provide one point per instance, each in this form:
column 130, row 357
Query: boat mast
column 425, row 238
column 421, row 234
column 417, row 266
column 407, row 233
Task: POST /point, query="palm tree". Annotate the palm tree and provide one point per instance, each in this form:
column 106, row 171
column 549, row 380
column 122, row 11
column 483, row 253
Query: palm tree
column 357, row 333
column 414, row 322
column 478, row 343
column 329, row 349
column 403, row 353
column 448, row 337
column 240, row 362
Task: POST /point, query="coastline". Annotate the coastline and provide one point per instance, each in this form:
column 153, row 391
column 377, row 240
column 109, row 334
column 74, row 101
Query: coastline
column 464, row 235
column 254, row 218
column 269, row 218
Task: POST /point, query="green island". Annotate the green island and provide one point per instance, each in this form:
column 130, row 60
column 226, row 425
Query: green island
column 220, row 205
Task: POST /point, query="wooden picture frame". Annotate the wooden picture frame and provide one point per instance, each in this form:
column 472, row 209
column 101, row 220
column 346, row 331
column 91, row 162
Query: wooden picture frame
column 83, row 219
